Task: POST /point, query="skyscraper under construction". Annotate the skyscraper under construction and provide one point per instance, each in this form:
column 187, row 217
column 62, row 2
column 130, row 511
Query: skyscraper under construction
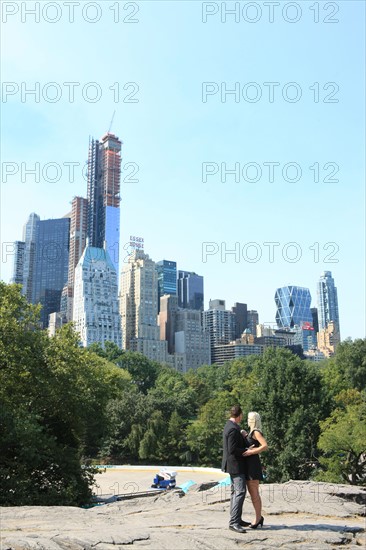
column 104, row 179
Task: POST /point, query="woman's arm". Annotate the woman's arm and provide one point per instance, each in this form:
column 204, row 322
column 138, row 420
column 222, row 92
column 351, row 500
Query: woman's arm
column 262, row 445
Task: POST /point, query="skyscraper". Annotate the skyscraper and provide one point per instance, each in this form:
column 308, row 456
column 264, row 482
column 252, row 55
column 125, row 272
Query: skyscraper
column 95, row 305
column 30, row 232
column 220, row 324
column 327, row 301
column 78, row 234
column 41, row 262
column 241, row 318
column 191, row 340
column 18, row 266
column 252, row 321
column 314, row 313
column 167, row 319
column 328, row 339
column 167, row 278
column 293, row 306
column 50, row 265
column 139, row 307
column 104, row 178
column 190, row 290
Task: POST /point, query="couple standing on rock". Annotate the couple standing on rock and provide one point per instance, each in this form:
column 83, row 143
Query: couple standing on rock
column 241, row 460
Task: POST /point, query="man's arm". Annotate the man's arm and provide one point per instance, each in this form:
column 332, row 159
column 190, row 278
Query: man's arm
column 235, row 443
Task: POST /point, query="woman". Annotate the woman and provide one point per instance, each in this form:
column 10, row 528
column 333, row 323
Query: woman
column 253, row 468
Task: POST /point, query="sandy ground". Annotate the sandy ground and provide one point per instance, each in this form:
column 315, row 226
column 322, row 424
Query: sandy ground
column 116, row 481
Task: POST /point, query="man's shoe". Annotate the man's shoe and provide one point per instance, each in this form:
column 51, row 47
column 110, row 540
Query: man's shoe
column 237, row 528
column 244, row 523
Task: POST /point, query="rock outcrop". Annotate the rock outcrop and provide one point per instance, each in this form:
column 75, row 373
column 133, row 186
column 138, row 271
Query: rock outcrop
column 297, row 515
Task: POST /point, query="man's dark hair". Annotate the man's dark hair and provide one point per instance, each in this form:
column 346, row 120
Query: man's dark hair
column 235, row 411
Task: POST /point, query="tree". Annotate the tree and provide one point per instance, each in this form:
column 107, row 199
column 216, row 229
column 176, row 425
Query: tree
column 343, row 441
column 53, row 398
column 347, row 369
column 290, row 398
column 204, row 435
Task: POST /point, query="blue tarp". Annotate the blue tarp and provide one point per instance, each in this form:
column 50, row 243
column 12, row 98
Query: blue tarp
column 185, row 486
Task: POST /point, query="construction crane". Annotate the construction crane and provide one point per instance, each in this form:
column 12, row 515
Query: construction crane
column 110, row 126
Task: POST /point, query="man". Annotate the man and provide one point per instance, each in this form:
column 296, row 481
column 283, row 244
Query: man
column 233, row 463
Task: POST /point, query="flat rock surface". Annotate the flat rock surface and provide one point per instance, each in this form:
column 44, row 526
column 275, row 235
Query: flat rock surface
column 297, row 515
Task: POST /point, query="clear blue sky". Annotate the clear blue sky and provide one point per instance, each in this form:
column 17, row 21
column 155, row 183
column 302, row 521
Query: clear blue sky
column 170, row 132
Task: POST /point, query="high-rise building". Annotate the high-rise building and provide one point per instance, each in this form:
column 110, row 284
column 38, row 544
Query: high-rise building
column 314, row 314
column 167, row 278
column 328, row 339
column 167, row 320
column 252, row 321
column 139, row 307
column 95, row 305
column 18, row 266
column 30, row 232
column 48, row 265
column 190, row 290
column 191, row 340
column 41, row 262
column 293, row 306
column 104, row 178
column 241, row 318
column 78, row 235
column 327, row 301
column 305, row 336
column 220, row 324
column 234, row 350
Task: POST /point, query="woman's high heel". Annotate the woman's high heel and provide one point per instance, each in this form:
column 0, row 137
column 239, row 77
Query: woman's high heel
column 255, row 525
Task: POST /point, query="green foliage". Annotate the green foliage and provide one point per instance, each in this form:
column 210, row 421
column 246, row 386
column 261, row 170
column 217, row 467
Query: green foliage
column 204, row 435
column 343, row 441
column 347, row 369
column 206, row 381
column 53, row 396
column 291, row 400
column 61, row 403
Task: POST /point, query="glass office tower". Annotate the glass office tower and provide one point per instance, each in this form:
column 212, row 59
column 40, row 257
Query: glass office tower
column 327, row 301
column 167, row 278
column 293, row 306
column 50, row 267
column 190, row 290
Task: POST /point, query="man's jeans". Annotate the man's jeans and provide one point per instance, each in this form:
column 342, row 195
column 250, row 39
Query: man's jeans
column 238, row 490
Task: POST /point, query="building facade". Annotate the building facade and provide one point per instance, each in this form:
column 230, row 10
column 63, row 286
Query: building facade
column 167, row 278
column 327, row 301
column 50, row 265
column 241, row 318
column 220, row 325
column 167, row 320
column 104, row 179
column 293, row 306
column 253, row 321
column 190, row 290
column 30, row 233
column 78, row 236
column 234, row 350
column 191, row 340
column 328, row 339
column 18, row 265
column 139, row 308
column 95, row 305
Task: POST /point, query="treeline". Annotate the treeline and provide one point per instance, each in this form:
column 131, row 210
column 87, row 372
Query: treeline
column 63, row 407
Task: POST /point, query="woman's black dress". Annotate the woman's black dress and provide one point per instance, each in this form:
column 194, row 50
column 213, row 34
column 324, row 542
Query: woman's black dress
column 253, row 466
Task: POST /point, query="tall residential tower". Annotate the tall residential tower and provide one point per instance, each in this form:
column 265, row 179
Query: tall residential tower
column 104, row 179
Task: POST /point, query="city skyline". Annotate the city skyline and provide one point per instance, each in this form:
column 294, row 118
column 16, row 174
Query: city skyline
column 183, row 133
column 181, row 275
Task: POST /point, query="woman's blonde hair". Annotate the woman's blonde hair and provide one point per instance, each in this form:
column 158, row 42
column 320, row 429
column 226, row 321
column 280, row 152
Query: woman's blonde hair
column 254, row 421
